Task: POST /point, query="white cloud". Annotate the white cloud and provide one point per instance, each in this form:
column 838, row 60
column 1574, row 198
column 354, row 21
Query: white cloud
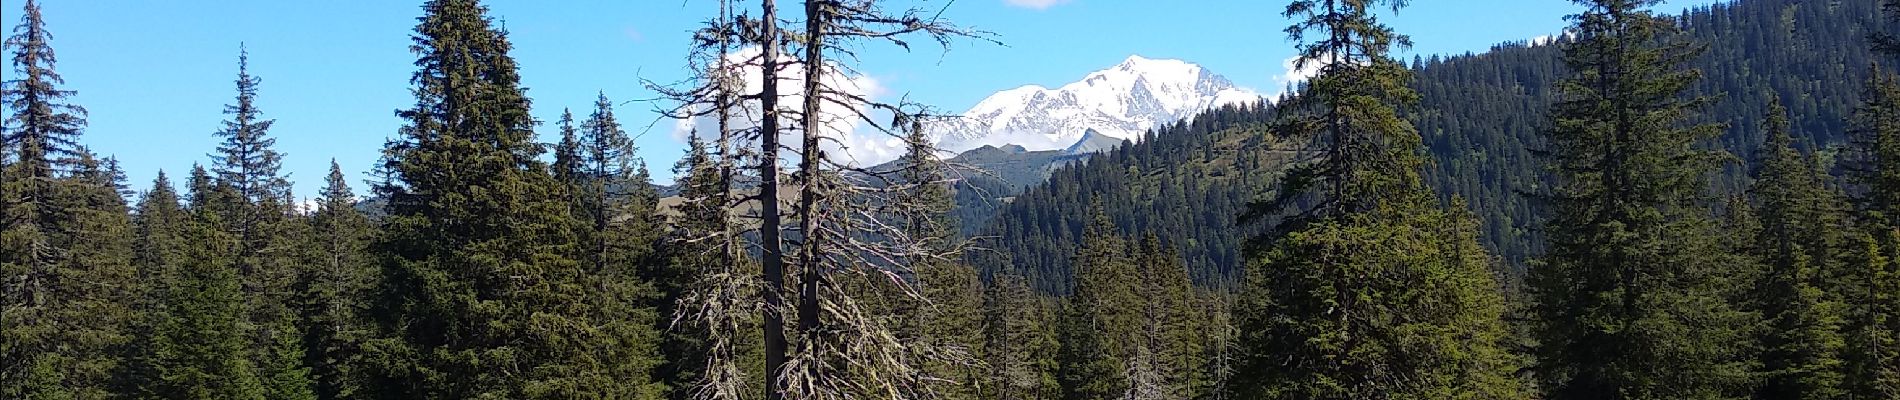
column 1293, row 74
column 1035, row 4
column 850, row 139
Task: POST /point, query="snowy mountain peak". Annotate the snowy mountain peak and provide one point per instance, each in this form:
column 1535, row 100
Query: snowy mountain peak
column 1120, row 102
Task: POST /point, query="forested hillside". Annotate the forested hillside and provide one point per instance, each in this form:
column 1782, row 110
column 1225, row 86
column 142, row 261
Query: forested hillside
column 1653, row 208
column 1480, row 115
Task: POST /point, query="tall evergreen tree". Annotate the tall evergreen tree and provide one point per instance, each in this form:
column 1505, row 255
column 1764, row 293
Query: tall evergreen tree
column 1368, row 288
column 257, row 214
column 65, row 255
column 1872, row 159
column 159, row 225
column 1102, row 321
column 1174, row 329
column 950, row 320
column 1017, row 349
column 1633, row 294
column 247, row 159
column 567, row 152
column 1800, row 219
column 1872, row 162
column 200, row 350
column 1873, row 333
column 481, row 294
column 333, row 290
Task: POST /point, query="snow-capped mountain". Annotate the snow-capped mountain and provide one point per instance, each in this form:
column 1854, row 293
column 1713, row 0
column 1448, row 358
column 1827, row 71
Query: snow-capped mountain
column 1121, row 102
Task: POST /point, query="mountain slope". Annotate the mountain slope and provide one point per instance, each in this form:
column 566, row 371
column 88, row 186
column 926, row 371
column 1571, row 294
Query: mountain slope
column 1121, row 102
column 1480, row 116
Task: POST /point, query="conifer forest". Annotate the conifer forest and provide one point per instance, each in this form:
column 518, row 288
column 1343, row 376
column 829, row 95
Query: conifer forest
column 1700, row 205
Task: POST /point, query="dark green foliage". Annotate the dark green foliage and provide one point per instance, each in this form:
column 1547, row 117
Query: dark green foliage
column 159, row 224
column 1365, row 287
column 1383, row 316
column 1099, row 323
column 247, row 160
column 1480, row 116
column 333, row 290
column 1019, row 345
column 1873, row 333
column 1872, row 159
column 1801, row 238
column 1872, row 163
column 482, row 296
column 1186, row 181
column 200, row 350
column 65, row 237
column 1887, row 41
column 1173, row 331
column 254, row 202
column 1633, row 295
column 947, row 319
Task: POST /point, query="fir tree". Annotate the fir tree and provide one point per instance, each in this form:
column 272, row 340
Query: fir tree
column 64, row 237
column 1173, row 327
column 1368, row 287
column 159, row 225
column 248, row 167
column 949, row 318
column 1019, row 354
column 1800, row 219
column 1872, row 159
column 200, row 350
column 1634, row 294
column 1872, row 162
column 712, row 341
column 481, row 293
column 333, row 290
column 1101, row 322
column 567, row 152
column 1873, row 333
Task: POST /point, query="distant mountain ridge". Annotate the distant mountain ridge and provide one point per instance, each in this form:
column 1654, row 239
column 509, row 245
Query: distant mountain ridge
column 1481, row 117
column 1122, row 103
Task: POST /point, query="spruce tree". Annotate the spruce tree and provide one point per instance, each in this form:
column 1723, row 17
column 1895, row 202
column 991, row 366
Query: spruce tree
column 1017, row 350
column 1634, row 294
column 65, row 252
column 1872, row 162
column 332, row 292
column 1173, row 323
column 1873, row 333
column 1101, row 322
column 257, row 214
column 1800, row 219
column 200, row 350
column 567, row 152
column 482, row 295
column 1366, row 287
column 1872, row 159
column 949, row 318
column 159, row 225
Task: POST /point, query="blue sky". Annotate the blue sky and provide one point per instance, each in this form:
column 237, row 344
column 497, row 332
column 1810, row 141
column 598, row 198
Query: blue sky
column 155, row 75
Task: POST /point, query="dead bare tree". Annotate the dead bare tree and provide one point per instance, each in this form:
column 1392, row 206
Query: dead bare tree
column 845, row 212
column 722, row 300
column 843, row 220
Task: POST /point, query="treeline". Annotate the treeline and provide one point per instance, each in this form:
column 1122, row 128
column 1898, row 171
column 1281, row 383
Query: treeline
column 1482, row 118
column 780, row 272
column 1685, row 234
column 489, row 265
